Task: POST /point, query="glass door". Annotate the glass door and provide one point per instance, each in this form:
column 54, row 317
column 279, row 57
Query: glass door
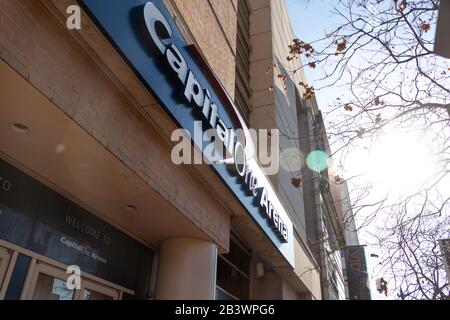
column 93, row 291
column 50, row 283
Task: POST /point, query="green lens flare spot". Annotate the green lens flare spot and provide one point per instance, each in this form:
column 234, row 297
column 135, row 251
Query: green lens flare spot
column 317, row 161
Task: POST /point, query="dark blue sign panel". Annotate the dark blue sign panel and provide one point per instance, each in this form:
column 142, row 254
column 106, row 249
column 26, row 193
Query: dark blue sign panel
column 35, row 217
column 445, row 248
column 147, row 54
column 357, row 275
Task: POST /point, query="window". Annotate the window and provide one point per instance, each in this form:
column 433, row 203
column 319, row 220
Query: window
column 242, row 89
column 232, row 280
column 222, row 295
column 332, row 279
column 233, row 273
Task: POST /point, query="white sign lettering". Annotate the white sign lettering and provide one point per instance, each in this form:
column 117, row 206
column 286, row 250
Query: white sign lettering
column 161, row 32
column 82, row 249
column 5, row 185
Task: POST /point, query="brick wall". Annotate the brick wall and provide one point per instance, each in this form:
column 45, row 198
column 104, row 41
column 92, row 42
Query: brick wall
column 213, row 27
column 42, row 51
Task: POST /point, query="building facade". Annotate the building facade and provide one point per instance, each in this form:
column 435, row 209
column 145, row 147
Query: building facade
column 89, row 192
column 323, row 205
column 441, row 46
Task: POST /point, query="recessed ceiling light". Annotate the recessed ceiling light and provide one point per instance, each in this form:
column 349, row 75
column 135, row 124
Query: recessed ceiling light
column 20, row 128
column 130, row 207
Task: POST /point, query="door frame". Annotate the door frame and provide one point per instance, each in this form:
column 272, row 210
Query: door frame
column 8, row 258
column 107, row 291
column 38, row 259
column 41, row 268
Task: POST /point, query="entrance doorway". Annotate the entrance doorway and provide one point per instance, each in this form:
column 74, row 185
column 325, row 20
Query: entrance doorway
column 48, row 280
column 50, row 283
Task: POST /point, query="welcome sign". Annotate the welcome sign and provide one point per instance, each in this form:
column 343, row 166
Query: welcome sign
column 35, row 217
column 152, row 45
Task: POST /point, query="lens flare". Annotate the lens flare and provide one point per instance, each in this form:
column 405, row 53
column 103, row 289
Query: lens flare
column 317, row 161
column 397, row 162
column 292, row 159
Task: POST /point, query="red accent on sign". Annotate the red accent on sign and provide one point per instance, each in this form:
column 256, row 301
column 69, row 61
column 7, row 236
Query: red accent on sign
column 216, row 84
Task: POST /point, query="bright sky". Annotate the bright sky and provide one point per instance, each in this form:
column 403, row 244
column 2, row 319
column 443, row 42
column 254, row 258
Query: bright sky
column 309, row 21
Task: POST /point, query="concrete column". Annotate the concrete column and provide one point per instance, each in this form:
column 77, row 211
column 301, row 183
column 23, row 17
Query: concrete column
column 186, row 270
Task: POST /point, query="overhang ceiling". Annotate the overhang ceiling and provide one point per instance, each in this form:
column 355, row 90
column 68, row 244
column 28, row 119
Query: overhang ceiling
column 65, row 157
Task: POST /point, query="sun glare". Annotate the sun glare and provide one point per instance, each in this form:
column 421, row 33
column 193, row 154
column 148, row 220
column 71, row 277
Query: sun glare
column 396, row 162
